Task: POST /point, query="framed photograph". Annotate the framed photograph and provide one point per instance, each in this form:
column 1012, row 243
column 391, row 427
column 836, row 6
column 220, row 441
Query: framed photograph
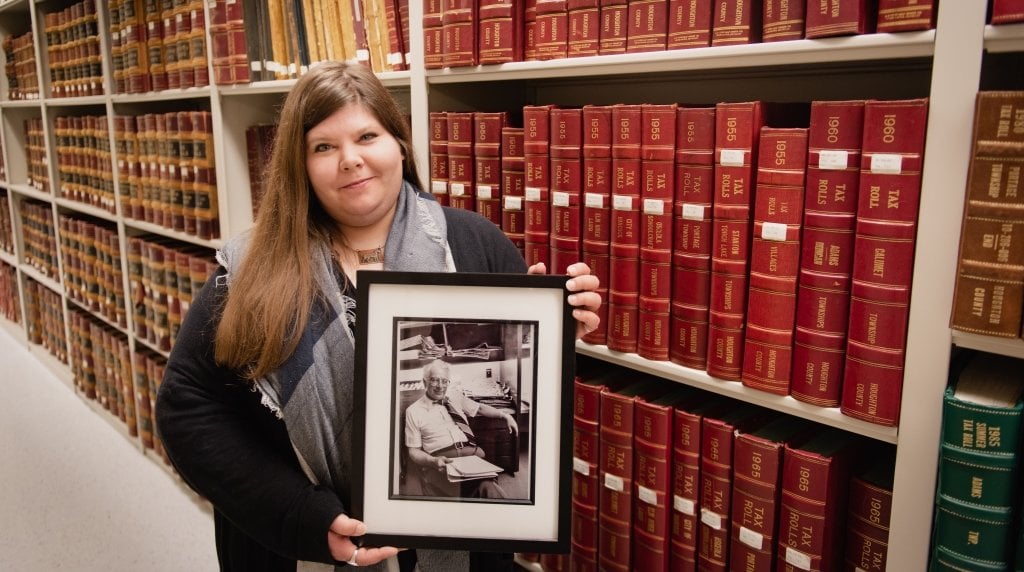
column 463, row 401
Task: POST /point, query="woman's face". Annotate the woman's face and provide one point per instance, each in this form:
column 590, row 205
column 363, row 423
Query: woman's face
column 355, row 167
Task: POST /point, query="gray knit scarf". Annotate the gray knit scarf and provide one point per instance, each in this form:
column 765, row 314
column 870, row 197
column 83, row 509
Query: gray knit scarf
column 312, row 390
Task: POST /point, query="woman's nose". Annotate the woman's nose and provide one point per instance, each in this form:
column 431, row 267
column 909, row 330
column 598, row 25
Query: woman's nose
column 349, row 158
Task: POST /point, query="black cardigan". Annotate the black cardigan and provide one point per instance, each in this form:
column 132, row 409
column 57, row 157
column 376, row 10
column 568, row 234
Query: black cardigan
column 233, row 451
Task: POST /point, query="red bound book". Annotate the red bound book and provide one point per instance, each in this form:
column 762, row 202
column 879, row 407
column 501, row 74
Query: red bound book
column 459, row 24
column 756, row 491
column 566, row 188
column 487, row 128
column 555, row 562
column 1007, row 12
column 439, row 156
column 584, row 27
column 736, row 22
column 815, row 478
column 536, row 149
column 883, row 258
column 782, row 20
column 586, row 464
column 220, row 44
column 624, row 250
column 870, row 509
column 691, row 237
column 615, row 506
column 648, row 26
column 657, row 197
column 737, row 126
column 513, row 182
column 552, row 30
column 614, row 26
column 652, row 458
column 530, row 30
column 689, row 24
column 461, row 178
column 775, row 259
column 830, row 213
column 840, row 18
column 597, row 195
column 396, row 48
column 716, row 467
column 433, row 34
column 501, row 31
column 905, row 15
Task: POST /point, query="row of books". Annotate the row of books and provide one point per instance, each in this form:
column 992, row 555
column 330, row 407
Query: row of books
column 978, row 494
column 989, row 290
column 10, row 301
column 20, row 66
column 101, row 366
column 73, row 50
column 672, row 478
column 91, row 259
column 39, row 238
column 84, row 166
column 279, row 39
column 463, row 33
column 776, row 256
column 157, row 45
column 36, row 156
column 6, row 228
column 44, row 318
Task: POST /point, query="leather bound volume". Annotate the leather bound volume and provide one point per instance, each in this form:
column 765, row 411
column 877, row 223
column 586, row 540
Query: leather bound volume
column 775, row 259
column 830, row 211
column 905, row 15
column 439, row 156
column 433, row 34
column 513, row 182
column 396, row 43
column 624, row 250
column 487, row 128
column 501, row 31
column 716, row 472
column 461, row 178
column 536, row 150
column 736, row 22
column 566, row 187
column 782, row 20
column 756, row 491
column 459, row 24
column 847, row 18
column 614, row 27
column 883, row 258
column 870, row 509
column 689, row 24
column 648, row 26
column 812, row 516
column 597, row 195
column 206, row 212
column 691, row 236
column 552, row 30
column 989, row 291
column 737, row 126
column 584, row 27
column 530, row 30
column 1007, row 12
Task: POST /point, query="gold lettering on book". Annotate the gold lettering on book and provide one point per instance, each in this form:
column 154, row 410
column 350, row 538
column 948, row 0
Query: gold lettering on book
column 1013, row 182
column 833, row 255
column 780, row 152
column 872, row 398
column 731, row 123
column 978, row 302
column 872, row 328
column 878, row 263
column 692, row 20
column 735, row 242
column 976, row 487
column 773, row 355
column 973, row 537
column 1003, row 124
column 994, row 437
column 875, row 510
column 819, row 315
column 822, row 194
column 823, row 381
column 840, row 194
column 1018, row 121
column 819, row 253
column 888, row 128
column 967, row 434
column 874, row 196
column 655, row 127
column 894, row 199
column 773, row 258
column 995, row 311
column 858, row 397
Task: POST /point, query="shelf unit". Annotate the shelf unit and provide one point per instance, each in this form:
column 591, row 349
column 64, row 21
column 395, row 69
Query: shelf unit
column 947, row 64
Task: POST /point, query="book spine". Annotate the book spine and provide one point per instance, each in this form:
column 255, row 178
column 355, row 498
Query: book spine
column 513, row 183
column 840, row 19
column 536, row 149
column 433, row 34
column 585, row 462
column 905, row 15
column 552, row 29
column 501, row 31
column 782, row 20
column 566, row 188
column 867, row 531
column 686, row 481
column 597, row 196
column 689, row 24
column 584, row 27
column 716, row 465
column 623, row 286
column 487, row 128
column 652, row 441
column 1007, row 12
column 614, row 27
column 461, row 177
column 648, row 26
column 439, row 156
column 757, row 471
column 459, row 22
column 883, row 257
column 736, row 22
column 616, row 475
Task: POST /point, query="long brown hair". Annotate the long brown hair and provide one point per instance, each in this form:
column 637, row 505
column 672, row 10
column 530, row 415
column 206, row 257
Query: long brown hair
column 273, row 289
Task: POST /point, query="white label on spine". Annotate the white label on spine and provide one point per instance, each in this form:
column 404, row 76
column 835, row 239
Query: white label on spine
column 594, row 200
column 560, row 199
column 532, row 194
column 691, row 211
column 798, row 559
column 773, row 231
column 394, row 58
column 833, row 159
column 580, row 466
column 513, row 203
column 684, row 505
column 752, row 539
column 439, row 187
column 614, row 483
column 886, row 164
column 654, row 206
column 711, row 518
column 457, row 189
column 731, row 157
column 363, row 55
column 483, row 192
column 622, row 202
column 647, row 495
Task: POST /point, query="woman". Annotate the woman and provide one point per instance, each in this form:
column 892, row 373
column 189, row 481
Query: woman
column 249, row 417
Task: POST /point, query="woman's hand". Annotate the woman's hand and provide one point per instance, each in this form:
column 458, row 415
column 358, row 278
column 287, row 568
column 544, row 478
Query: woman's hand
column 585, row 300
column 339, row 540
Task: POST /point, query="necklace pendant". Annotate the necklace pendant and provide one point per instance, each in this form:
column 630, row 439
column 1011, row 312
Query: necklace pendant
column 372, row 256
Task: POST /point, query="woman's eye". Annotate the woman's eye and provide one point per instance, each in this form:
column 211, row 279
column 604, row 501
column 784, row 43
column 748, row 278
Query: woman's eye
column 321, row 147
column 367, row 136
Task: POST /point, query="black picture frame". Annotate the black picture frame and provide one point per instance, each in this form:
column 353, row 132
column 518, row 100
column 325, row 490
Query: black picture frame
column 508, row 340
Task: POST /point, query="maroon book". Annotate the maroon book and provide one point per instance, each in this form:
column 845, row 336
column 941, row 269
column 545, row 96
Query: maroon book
column 566, row 188
column 536, row 149
column 883, row 258
column 513, row 182
column 501, row 31
column 552, row 30
column 439, row 156
column 597, row 196
column 847, row 18
column 736, row 22
column 584, row 27
column 614, row 26
column 461, row 179
column 623, row 285
column 459, row 25
column 433, row 34
column 1007, row 12
column 782, row 20
column 648, row 26
column 775, row 259
column 870, row 510
column 530, row 30
column 689, row 24
column 737, row 126
column 830, row 213
column 487, row 128
column 906, row 15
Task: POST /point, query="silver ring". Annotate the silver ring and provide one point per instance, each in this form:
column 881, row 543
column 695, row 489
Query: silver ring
column 352, row 561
